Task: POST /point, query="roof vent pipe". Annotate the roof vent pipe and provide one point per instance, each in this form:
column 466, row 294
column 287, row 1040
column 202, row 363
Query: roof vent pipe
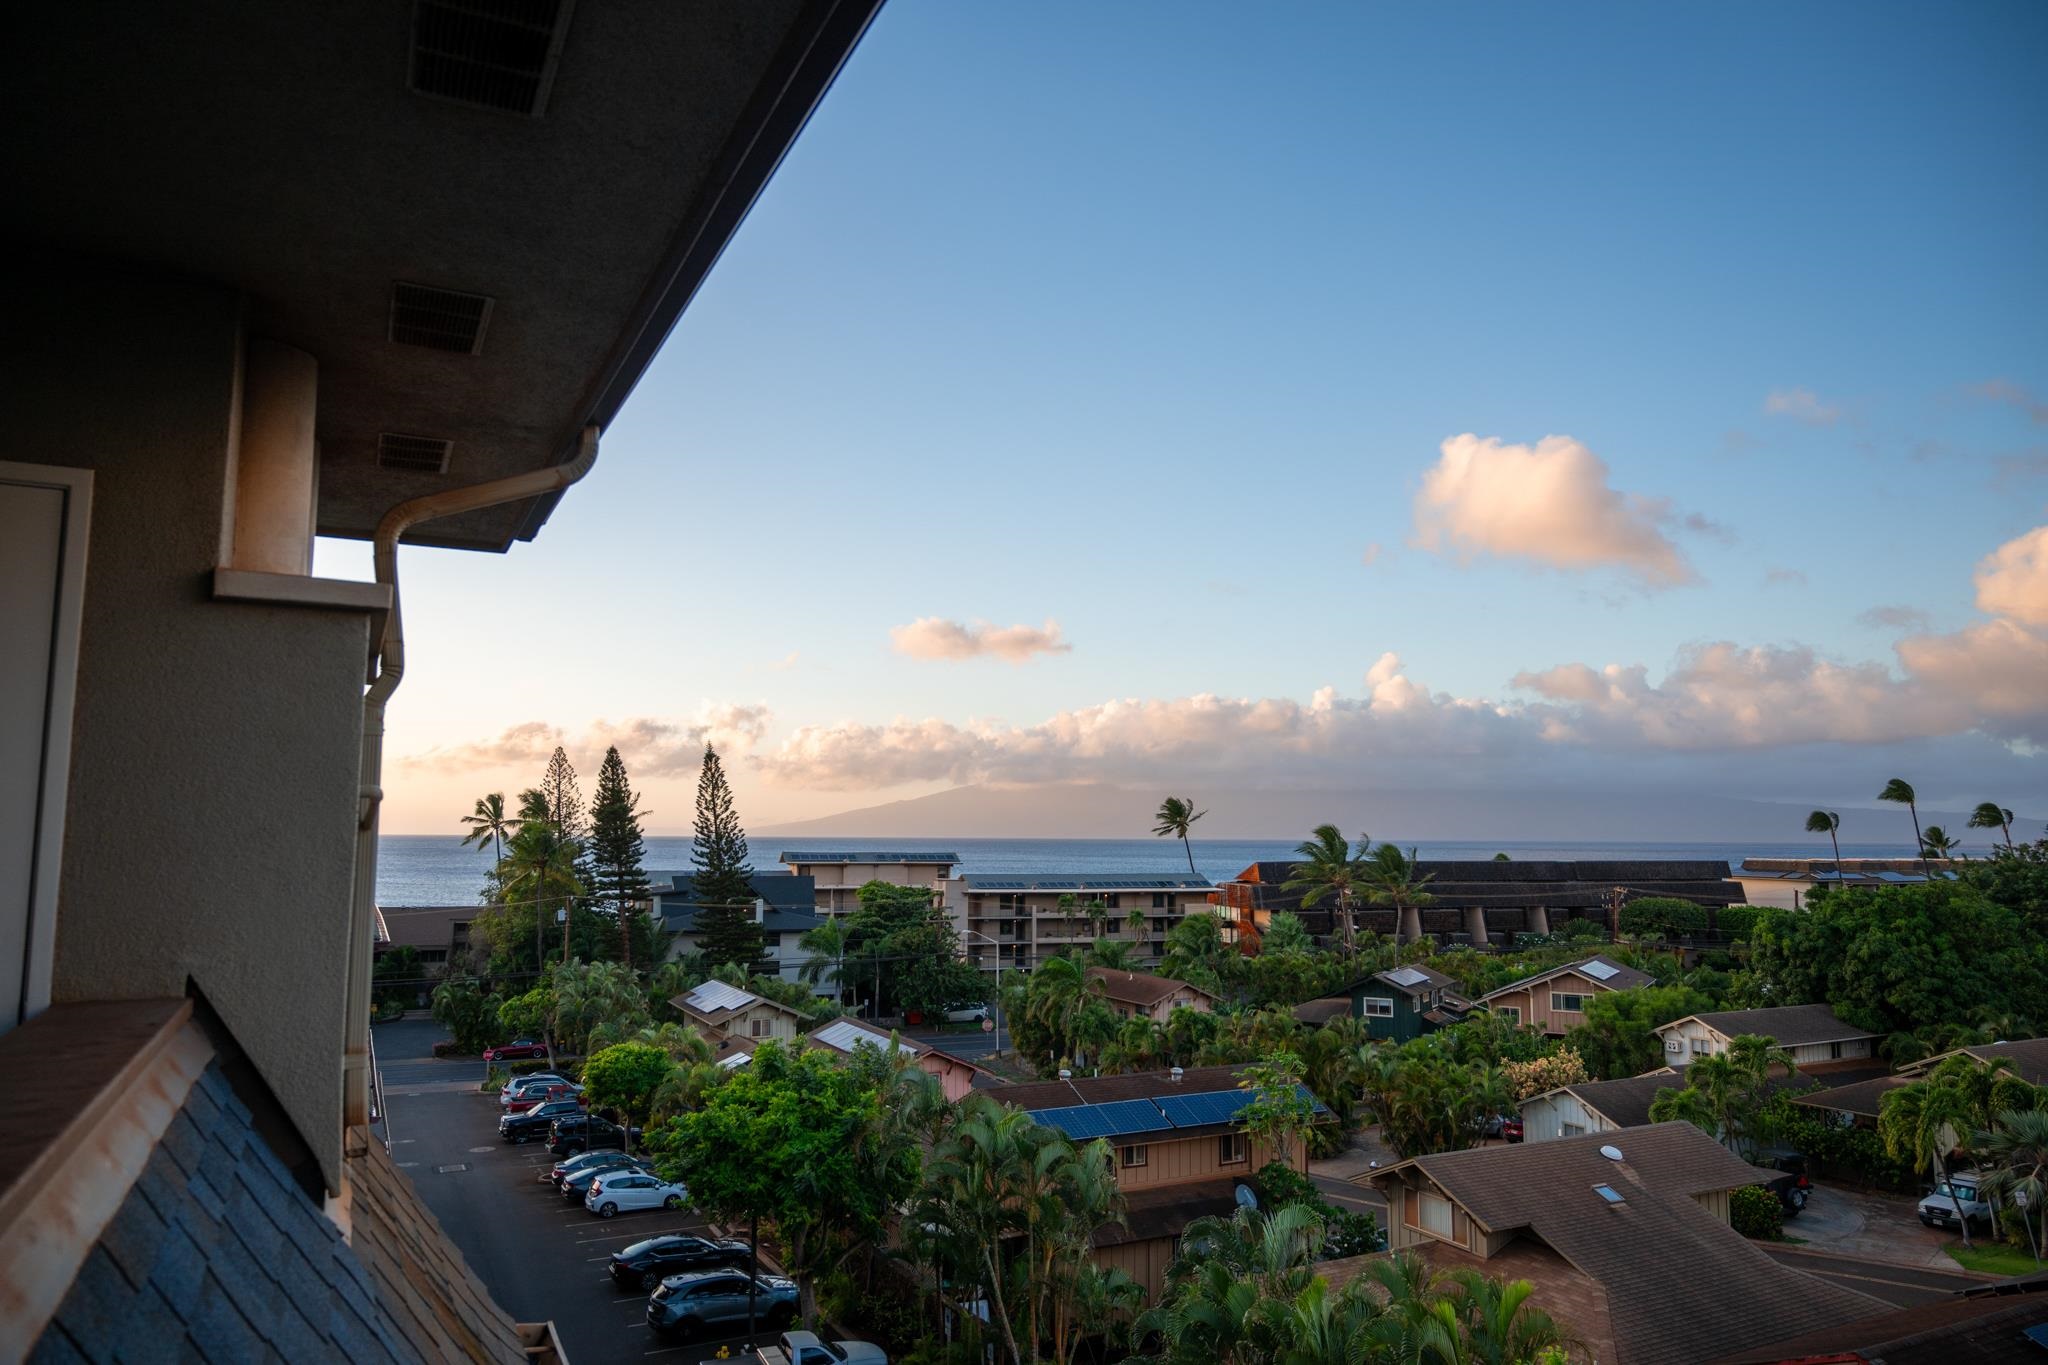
column 1066, row 1075
column 1176, row 1073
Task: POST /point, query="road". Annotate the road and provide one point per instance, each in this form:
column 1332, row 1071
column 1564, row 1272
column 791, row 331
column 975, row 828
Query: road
column 540, row 1256
column 1903, row 1286
column 968, row 1044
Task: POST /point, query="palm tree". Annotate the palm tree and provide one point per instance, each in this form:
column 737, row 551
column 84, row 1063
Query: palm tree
column 1174, row 815
column 2015, row 1153
column 543, row 868
column 1497, row 1326
column 826, row 945
column 1900, row 792
column 1390, row 875
column 1991, row 815
column 1113, row 953
column 1936, row 843
column 1921, row 1122
column 1330, row 869
column 490, row 825
column 1828, row 823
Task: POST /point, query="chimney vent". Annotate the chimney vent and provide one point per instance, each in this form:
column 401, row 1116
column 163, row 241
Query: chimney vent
column 1176, row 1073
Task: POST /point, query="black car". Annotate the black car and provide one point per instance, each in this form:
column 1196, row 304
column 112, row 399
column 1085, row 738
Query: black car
column 643, row 1265
column 1792, row 1186
column 534, row 1123
column 581, row 1132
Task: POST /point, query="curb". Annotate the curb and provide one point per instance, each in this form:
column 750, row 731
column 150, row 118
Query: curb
column 1863, row 1258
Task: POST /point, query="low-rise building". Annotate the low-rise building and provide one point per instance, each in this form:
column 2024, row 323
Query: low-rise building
column 1621, row 1235
column 1136, row 995
column 1180, row 1152
column 1554, row 1002
column 437, row 934
column 1858, row 1101
column 1595, row 1106
column 1023, row 919
column 957, row 1076
column 722, row 1011
column 1405, row 1002
column 838, row 874
column 1811, row 1033
column 782, row 907
column 1786, row 882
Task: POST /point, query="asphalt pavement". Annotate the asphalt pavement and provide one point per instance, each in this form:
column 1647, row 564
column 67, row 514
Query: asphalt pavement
column 539, row 1255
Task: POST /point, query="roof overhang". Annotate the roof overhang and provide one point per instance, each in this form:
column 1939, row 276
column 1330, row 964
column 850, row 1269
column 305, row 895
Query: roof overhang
column 280, row 151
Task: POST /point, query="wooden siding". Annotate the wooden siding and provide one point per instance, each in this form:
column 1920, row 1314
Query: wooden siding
column 1180, row 1160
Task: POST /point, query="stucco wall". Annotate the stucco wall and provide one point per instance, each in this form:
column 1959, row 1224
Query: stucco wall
column 210, row 827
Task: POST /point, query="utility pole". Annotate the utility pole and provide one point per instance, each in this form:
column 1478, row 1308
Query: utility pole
column 562, row 918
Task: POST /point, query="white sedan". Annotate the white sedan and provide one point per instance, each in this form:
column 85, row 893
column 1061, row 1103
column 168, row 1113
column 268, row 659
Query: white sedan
column 624, row 1191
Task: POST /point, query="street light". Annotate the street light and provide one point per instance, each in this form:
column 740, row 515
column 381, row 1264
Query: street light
column 562, row 918
column 974, row 933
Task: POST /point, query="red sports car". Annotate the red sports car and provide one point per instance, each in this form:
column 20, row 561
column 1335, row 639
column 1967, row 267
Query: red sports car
column 518, row 1050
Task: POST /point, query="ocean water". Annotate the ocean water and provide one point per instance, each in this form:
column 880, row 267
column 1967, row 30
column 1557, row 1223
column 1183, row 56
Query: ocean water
column 426, row 869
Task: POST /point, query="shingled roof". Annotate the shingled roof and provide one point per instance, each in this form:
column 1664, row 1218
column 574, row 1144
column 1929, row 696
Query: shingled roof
column 1789, row 1025
column 1988, row 1326
column 1625, row 1102
column 1136, row 988
column 1598, row 968
column 1650, row 1248
column 1458, row 884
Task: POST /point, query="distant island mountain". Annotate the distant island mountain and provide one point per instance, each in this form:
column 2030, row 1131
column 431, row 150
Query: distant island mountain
column 1089, row 811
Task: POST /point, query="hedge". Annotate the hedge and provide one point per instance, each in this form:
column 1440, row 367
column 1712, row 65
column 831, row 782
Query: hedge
column 1736, row 921
column 1661, row 916
column 1757, row 1213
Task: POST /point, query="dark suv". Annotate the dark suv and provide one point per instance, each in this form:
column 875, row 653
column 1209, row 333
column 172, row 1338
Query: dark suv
column 1791, row 1186
column 643, row 1265
column 581, row 1132
column 534, row 1122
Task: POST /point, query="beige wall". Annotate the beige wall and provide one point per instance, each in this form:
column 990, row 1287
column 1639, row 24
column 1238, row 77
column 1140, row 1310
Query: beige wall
column 1545, row 1116
column 210, row 827
column 1146, row 1262
column 1535, row 1006
column 1688, row 1040
column 775, row 1022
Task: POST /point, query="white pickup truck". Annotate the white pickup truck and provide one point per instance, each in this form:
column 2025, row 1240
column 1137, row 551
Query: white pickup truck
column 807, row 1348
column 1938, row 1209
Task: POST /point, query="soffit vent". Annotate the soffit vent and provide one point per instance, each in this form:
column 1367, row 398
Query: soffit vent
column 414, row 454
column 439, row 319
column 494, row 54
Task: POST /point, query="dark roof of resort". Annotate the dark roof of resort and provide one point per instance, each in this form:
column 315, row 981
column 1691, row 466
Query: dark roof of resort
column 1790, row 1025
column 791, row 902
column 1136, row 988
column 1635, row 1228
column 1072, row 881
column 1989, row 1326
column 1462, row 884
column 841, row 855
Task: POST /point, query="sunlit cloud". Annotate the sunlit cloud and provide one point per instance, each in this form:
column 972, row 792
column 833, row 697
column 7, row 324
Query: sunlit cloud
column 651, row 746
column 1802, row 405
column 2012, row 581
column 1550, row 503
column 934, row 637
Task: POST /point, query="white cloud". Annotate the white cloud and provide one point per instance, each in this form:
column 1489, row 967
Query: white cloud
column 1802, row 405
column 651, row 747
column 2012, row 580
column 785, row 663
column 934, row 637
column 1550, row 503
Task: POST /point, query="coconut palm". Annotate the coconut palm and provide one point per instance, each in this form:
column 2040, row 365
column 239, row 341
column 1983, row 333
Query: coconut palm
column 1496, row 1325
column 1113, row 953
column 826, row 944
column 1175, row 815
column 1991, row 815
column 1828, row 823
column 1900, row 792
column 1936, row 843
column 1330, row 869
column 490, row 825
column 1389, row 877
column 1922, row 1122
column 2015, row 1153
column 541, row 868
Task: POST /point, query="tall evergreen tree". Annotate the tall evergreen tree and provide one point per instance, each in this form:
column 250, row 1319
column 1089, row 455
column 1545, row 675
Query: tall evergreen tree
column 617, row 882
column 565, row 798
column 723, row 884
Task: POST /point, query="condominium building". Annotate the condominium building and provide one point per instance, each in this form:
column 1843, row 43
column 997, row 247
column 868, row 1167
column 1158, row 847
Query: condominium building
column 839, row 874
column 1020, row 921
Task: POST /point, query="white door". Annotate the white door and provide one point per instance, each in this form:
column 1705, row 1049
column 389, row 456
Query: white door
column 42, row 579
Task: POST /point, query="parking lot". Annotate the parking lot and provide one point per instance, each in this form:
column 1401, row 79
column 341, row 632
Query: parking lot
column 541, row 1256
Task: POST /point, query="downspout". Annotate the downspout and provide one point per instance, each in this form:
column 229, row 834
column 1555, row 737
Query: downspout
column 390, row 672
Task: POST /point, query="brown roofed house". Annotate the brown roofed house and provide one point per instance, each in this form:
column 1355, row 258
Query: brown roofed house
column 1618, row 1233
column 2002, row 1323
column 1555, row 1001
column 720, row 1011
column 1811, row 1033
column 1136, row 995
column 1595, row 1106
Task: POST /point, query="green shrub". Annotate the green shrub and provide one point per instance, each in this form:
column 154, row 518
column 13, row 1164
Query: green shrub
column 1736, row 921
column 1662, row 917
column 494, row 1079
column 390, row 1009
column 1578, row 931
column 1757, row 1213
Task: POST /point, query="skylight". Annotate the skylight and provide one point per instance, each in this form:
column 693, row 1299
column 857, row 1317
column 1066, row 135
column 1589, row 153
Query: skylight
column 1608, row 1192
column 1598, row 970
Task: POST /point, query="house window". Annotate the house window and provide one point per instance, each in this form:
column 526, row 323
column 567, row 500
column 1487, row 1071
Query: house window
column 1700, row 1047
column 1513, row 1013
column 1113, row 901
column 758, row 1028
column 1561, row 1003
column 1834, row 1052
column 1161, row 901
column 1134, row 1155
column 1232, row 1148
column 1571, row 1129
column 1378, row 1007
column 1436, row 1215
column 1674, row 1044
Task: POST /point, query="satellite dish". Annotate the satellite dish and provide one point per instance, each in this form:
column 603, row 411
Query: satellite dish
column 1246, row 1198
column 1611, row 1153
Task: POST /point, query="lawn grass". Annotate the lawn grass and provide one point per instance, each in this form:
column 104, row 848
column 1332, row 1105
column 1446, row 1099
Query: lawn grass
column 1994, row 1259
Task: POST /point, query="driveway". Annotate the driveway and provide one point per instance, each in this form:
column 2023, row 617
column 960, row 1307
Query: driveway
column 1878, row 1227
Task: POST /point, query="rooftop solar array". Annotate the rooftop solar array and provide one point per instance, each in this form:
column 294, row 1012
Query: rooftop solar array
column 858, row 855
column 1598, row 970
column 1407, row 976
column 1059, row 881
column 846, row 1036
column 716, row 995
column 1160, row 1114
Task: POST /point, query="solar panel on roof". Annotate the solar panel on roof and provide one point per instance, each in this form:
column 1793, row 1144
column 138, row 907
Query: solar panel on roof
column 1078, row 1121
column 1192, row 1111
column 1407, row 976
column 1599, row 971
column 717, row 995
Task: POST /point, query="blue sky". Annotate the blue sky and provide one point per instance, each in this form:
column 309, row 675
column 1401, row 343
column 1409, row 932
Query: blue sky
column 1150, row 321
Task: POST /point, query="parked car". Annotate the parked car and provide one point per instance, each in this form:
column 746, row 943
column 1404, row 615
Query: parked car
column 534, row 1122
column 1790, row 1193
column 1505, row 1126
column 518, row 1084
column 1792, row 1187
column 973, row 1014
column 644, row 1265
column 1938, row 1209
column 583, row 1161
column 614, row 1192
column 535, row 1095
column 576, row 1184
column 518, row 1050
column 806, row 1348
column 687, row 1304
column 587, row 1133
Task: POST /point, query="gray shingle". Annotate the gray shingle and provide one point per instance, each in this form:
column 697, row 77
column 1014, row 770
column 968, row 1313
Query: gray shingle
column 218, row 1328
column 55, row 1348
column 184, row 1142
column 133, row 1238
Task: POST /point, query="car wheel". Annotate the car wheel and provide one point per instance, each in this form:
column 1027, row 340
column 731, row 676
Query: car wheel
column 607, row 1209
column 1798, row 1200
column 688, row 1327
column 648, row 1280
column 780, row 1318
column 674, row 1201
